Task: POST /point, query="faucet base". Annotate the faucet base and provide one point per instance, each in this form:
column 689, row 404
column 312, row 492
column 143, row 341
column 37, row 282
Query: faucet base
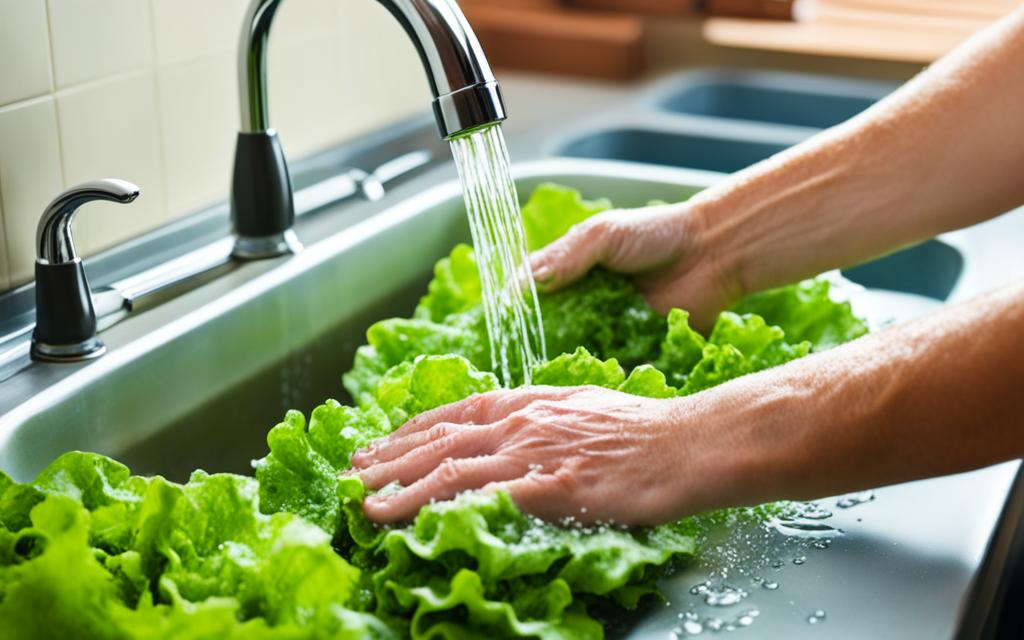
column 272, row 246
column 86, row 350
column 262, row 212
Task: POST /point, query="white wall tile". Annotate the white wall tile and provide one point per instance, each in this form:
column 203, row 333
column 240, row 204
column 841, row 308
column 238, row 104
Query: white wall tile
column 30, row 177
column 191, row 29
column 307, row 93
column 300, row 20
column 391, row 81
column 112, row 130
column 94, row 39
column 199, row 109
column 5, row 272
column 24, row 50
column 329, row 88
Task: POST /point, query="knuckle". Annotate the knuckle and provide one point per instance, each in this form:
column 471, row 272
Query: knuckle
column 565, row 480
column 448, row 472
column 438, row 431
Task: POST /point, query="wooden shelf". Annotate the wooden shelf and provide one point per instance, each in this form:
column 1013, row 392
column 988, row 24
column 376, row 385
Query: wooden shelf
column 917, row 31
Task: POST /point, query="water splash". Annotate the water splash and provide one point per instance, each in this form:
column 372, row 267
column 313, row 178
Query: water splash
column 508, row 290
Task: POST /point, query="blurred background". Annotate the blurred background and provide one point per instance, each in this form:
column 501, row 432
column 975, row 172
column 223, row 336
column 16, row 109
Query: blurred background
column 146, row 90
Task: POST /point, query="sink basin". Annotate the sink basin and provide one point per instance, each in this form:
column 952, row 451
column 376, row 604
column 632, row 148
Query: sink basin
column 198, row 381
column 931, row 269
column 779, row 98
column 673, row 149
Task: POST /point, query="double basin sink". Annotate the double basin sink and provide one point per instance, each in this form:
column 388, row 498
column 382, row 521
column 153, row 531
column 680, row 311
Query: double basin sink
column 197, row 381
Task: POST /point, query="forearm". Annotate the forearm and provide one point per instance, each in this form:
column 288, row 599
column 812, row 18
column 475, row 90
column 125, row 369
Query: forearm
column 936, row 396
column 942, row 153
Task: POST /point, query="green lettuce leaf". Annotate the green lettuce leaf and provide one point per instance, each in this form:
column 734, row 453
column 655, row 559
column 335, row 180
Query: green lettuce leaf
column 552, row 210
column 455, row 287
column 806, row 312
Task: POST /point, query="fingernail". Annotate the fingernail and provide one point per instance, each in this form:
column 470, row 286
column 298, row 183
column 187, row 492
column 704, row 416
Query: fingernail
column 542, row 274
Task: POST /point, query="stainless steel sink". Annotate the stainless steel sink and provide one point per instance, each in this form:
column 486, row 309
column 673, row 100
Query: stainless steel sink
column 793, row 99
column 722, row 120
column 198, row 381
column 674, row 149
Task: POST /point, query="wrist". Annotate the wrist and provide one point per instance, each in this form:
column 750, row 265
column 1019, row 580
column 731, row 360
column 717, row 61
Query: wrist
column 740, row 444
column 712, row 250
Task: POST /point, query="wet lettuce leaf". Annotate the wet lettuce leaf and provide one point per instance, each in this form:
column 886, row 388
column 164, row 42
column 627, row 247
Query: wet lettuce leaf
column 110, row 555
column 806, row 312
column 552, row 210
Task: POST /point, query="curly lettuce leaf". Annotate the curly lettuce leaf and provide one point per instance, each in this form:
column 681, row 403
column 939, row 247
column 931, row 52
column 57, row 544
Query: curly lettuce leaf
column 579, row 368
column 552, row 210
column 455, row 287
column 606, row 315
column 649, row 382
column 806, row 312
column 198, row 561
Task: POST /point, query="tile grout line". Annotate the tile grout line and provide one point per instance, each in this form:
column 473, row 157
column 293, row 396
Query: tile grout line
column 53, row 95
column 162, row 133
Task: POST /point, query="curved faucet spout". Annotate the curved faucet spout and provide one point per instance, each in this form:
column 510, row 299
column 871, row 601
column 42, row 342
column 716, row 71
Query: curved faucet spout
column 466, row 94
column 466, row 97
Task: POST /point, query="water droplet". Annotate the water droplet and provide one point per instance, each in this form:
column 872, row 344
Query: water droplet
column 771, row 585
column 853, row 499
column 814, row 512
column 816, row 617
column 722, row 595
column 693, row 627
column 799, row 560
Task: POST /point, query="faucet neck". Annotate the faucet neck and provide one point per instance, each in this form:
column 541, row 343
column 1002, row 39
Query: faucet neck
column 466, row 94
column 252, row 65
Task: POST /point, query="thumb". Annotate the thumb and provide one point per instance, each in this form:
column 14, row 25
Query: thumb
column 569, row 258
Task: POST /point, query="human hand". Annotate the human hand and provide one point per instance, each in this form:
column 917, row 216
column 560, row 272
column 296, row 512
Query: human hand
column 584, row 452
column 665, row 247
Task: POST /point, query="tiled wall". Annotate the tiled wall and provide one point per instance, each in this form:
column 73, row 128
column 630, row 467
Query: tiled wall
column 146, row 90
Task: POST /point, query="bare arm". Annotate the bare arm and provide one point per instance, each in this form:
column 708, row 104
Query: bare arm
column 932, row 397
column 943, row 152
column 937, row 396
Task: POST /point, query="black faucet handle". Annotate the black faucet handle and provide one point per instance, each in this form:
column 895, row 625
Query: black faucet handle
column 65, row 317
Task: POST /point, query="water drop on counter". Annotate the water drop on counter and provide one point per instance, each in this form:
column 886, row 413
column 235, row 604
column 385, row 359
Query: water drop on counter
column 771, row 585
column 722, row 595
column 799, row 560
column 853, row 499
column 816, row 617
column 693, row 627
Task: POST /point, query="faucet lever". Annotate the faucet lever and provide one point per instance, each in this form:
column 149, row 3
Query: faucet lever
column 65, row 317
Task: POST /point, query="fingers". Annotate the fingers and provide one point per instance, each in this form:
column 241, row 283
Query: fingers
column 445, row 482
column 427, row 426
column 540, row 495
column 479, row 409
column 464, row 442
column 394, row 446
column 569, row 258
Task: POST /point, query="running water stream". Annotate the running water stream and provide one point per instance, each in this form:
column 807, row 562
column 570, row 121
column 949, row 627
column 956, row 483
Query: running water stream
column 499, row 240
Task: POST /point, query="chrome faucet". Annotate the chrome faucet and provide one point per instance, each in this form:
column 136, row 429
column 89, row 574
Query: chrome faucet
column 65, row 317
column 466, row 97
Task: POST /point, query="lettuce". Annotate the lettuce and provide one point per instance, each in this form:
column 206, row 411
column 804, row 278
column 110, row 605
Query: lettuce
column 110, row 555
column 552, row 210
column 806, row 312
column 88, row 550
